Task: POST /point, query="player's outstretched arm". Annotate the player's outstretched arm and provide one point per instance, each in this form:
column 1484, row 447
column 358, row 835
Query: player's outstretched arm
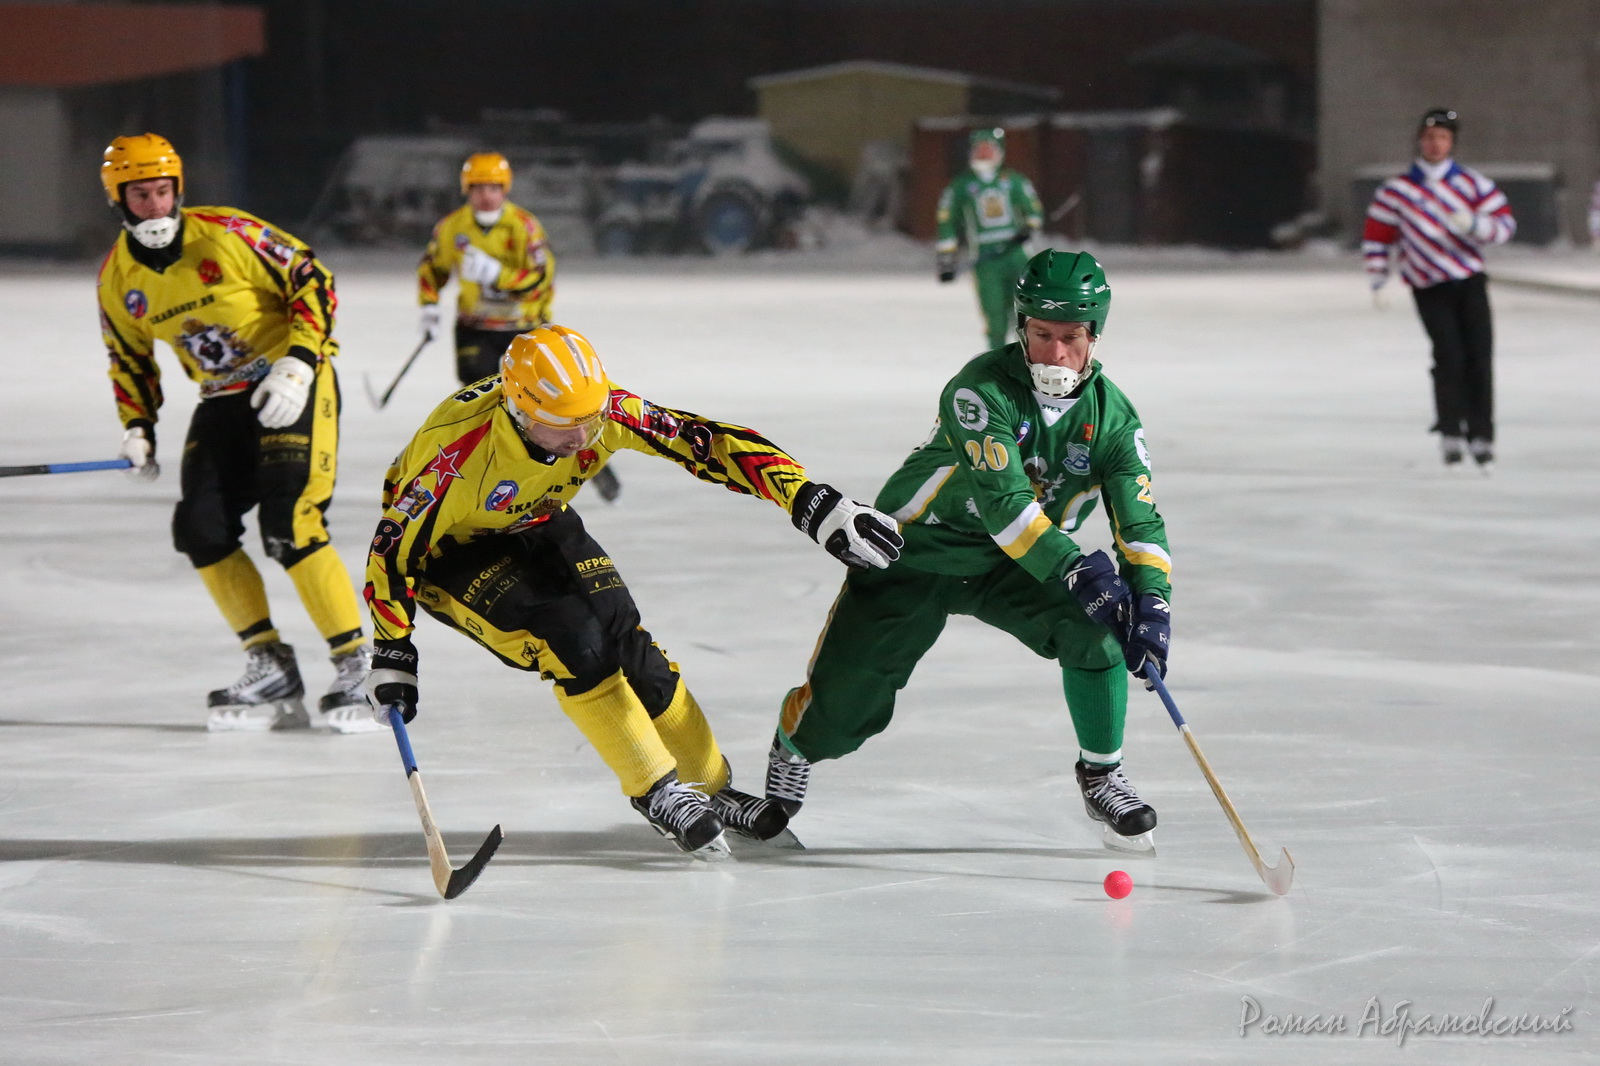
column 855, row 534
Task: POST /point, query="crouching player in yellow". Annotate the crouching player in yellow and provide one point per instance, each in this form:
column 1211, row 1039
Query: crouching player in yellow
column 478, row 530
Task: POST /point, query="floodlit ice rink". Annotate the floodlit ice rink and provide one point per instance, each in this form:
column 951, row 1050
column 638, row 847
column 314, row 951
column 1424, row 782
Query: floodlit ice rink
column 1394, row 672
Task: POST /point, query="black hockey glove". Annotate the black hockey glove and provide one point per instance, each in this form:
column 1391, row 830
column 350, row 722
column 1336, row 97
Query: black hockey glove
column 1098, row 586
column 947, row 268
column 392, row 682
column 1149, row 635
column 853, row 533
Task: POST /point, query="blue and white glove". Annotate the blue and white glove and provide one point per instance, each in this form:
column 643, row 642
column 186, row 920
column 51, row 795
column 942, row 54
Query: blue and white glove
column 853, row 533
column 479, row 267
column 281, row 396
column 1098, row 587
column 391, row 684
column 1149, row 635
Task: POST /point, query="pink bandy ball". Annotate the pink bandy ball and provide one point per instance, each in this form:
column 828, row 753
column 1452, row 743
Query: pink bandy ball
column 1118, row 884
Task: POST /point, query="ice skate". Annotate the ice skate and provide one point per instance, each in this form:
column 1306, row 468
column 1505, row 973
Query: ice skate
column 1109, row 798
column 268, row 696
column 343, row 708
column 1452, row 450
column 787, row 777
column 685, row 817
column 1482, row 454
column 755, row 818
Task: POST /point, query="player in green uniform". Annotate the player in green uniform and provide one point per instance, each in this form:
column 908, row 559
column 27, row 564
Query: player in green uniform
column 993, row 211
column 1030, row 436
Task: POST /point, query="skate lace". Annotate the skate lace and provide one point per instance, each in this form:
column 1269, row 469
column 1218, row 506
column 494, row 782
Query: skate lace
column 350, row 670
column 677, row 805
column 1115, row 793
column 787, row 780
column 260, row 665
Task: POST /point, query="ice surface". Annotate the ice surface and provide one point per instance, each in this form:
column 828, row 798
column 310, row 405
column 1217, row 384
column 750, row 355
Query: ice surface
column 1394, row 673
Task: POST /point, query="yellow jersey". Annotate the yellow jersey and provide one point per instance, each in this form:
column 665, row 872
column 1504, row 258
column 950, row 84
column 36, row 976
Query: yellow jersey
column 520, row 299
column 240, row 294
column 468, row 473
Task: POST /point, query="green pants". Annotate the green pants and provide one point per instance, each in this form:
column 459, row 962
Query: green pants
column 996, row 280
column 885, row 621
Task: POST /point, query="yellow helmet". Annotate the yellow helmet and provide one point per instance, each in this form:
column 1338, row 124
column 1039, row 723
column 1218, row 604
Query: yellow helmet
column 552, row 376
column 485, row 168
column 139, row 158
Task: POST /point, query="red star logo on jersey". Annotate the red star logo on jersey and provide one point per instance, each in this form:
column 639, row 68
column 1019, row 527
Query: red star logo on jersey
column 238, row 225
column 444, row 467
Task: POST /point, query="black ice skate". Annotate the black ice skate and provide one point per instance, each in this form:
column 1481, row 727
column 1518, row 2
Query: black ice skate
column 787, row 777
column 268, row 696
column 344, row 707
column 754, row 818
column 684, row 816
column 1109, row 798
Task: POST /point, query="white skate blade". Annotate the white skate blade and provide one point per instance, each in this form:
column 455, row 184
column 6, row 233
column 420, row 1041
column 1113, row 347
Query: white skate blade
column 1143, row 844
column 259, row 717
column 784, row 840
column 352, row 720
column 715, row 851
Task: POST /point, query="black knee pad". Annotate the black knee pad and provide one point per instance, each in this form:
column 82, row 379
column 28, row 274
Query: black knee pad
column 201, row 532
column 283, row 551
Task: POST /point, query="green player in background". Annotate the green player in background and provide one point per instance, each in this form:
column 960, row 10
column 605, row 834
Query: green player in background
column 993, row 211
column 1029, row 437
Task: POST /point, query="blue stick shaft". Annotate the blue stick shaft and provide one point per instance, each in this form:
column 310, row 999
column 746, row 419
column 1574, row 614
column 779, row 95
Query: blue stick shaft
column 1166, row 698
column 98, row 464
column 399, row 725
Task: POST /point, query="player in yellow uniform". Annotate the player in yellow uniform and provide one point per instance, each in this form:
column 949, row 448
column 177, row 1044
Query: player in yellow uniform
column 478, row 530
column 248, row 310
column 501, row 257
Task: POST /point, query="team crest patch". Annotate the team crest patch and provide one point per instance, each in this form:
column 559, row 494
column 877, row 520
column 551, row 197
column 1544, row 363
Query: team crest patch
column 587, row 458
column 500, row 496
column 971, row 411
column 270, row 244
column 1077, row 460
column 136, row 303
column 210, row 272
column 462, row 241
column 414, row 502
column 1139, row 446
column 215, row 347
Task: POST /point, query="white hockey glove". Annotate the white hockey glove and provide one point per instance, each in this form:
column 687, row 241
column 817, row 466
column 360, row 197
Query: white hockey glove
column 1470, row 225
column 140, row 450
column 853, row 533
column 428, row 323
column 281, row 396
column 391, row 684
column 479, row 267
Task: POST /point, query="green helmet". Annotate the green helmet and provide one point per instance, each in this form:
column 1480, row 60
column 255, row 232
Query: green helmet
column 987, row 135
column 1064, row 287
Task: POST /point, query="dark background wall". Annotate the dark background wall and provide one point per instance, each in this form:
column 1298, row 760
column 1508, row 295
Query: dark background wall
column 336, row 69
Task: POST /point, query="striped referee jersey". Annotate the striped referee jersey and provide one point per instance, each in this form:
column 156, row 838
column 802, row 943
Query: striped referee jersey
column 1440, row 215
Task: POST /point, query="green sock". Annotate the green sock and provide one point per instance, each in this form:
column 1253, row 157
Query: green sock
column 1098, row 703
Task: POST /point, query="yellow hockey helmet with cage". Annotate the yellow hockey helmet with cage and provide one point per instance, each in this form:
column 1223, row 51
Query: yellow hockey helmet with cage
column 485, row 168
column 552, row 376
column 139, row 158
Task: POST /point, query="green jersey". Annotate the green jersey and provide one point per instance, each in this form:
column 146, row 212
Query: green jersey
column 1010, row 473
column 987, row 216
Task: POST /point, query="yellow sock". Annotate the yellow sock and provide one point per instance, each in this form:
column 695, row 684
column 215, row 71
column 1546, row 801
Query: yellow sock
column 235, row 585
column 619, row 727
column 687, row 734
column 329, row 598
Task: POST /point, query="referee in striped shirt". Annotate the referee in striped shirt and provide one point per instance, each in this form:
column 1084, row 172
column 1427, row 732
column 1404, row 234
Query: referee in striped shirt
column 1439, row 215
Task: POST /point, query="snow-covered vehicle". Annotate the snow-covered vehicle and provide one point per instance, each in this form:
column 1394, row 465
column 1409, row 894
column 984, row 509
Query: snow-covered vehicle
column 722, row 189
